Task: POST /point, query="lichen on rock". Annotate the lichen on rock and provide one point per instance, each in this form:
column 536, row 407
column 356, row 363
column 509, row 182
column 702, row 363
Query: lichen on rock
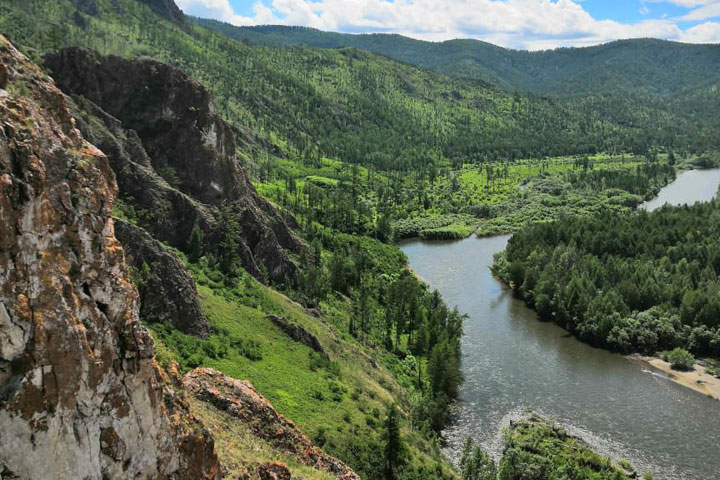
column 80, row 393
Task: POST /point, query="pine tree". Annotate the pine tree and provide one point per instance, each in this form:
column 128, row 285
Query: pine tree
column 394, row 446
column 195, row 244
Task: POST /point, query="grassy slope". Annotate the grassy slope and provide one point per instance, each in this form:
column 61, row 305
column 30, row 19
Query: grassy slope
column 340, row 405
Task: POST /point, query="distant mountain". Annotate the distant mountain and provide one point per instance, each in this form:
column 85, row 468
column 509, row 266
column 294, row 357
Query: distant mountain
column 647, row 66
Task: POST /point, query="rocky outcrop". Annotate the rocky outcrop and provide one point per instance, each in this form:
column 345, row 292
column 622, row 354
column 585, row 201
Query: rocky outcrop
column 297, row 333
column 186, row 143
column 245, row 404
column 168, row 292
column 80, row 393
column 162, row 210
column 273, row 471
column 167, row 9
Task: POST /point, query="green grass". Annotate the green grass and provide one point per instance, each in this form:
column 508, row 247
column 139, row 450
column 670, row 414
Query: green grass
column 340, row 402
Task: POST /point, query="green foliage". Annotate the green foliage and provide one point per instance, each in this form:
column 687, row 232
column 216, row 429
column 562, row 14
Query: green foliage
column 630, row 282
column 394, row 451
column 356, row 106
column 191, row 352
column 614, row 184
column 195, row 244
column 537, row 450
column 679, row 359
column 436, row 227
column 638, row 66
column 475, row 463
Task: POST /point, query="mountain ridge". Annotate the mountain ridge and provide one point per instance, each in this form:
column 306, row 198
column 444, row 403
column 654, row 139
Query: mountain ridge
column 512, row 69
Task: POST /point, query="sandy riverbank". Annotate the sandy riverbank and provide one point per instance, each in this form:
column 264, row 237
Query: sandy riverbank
column 697, row 379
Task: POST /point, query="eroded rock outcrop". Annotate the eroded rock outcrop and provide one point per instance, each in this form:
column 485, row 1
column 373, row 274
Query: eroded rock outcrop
column 185, row 142
column 297, row 333
column 244, row 403
column 168, row 292
column 80, row 393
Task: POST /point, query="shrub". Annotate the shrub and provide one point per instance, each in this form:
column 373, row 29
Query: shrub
column 680, row 359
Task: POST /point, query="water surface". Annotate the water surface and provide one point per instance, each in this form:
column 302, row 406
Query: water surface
column 513, row 362
column 690, row 187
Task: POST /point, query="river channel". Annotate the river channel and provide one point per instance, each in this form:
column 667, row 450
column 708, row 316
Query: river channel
column 513, row 362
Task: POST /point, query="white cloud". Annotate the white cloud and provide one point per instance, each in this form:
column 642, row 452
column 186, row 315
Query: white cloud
column 708, row 11
column 684, row 3
column 530, row 24
column 708, row 32
column 219, row 10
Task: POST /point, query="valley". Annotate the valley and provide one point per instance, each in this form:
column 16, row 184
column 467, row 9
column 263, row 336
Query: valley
column 285, row 253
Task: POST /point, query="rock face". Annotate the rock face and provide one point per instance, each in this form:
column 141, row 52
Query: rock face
column 243, row 402
column 164, row 211
column 168, row 9
column 168, row 292
column 80, row 393
column 185, row 142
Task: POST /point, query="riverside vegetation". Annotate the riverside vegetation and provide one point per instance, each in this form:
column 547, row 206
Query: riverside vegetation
column 642, row 282
column 358, row 150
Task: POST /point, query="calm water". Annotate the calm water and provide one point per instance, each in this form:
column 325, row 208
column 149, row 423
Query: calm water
column 690, row 187
column 513, row 362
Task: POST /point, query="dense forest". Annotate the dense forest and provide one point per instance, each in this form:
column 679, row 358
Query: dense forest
column 359, row 107
column 637, row 66
column 643, row 282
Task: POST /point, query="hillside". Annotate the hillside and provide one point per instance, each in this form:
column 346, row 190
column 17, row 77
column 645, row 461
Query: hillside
column 640, row 66
column 73, row 342
column 227, row 334
column 356, row 106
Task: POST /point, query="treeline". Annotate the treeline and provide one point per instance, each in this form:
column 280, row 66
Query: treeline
column 642, row 282
column 645, row 180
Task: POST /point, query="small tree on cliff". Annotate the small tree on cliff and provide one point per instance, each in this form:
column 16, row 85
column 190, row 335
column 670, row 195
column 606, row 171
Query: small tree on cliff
column 195, row 244
column 476, row 464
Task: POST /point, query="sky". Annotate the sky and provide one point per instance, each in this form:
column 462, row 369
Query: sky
column 519, row 24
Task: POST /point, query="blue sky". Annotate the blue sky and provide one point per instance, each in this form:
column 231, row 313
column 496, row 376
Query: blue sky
column 522, row 24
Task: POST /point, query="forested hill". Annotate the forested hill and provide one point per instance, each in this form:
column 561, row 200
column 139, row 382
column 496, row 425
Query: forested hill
column 353, row 105
column 641, row 66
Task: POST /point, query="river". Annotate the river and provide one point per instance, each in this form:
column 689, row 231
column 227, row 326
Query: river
column 513, row 362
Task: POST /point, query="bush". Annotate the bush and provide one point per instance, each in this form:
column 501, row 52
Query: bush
column 680, row 359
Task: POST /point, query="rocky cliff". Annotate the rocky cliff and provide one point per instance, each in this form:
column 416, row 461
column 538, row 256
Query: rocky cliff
column 80, row 393
column 173, row 155
column 167, row 291
column 244, row 404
